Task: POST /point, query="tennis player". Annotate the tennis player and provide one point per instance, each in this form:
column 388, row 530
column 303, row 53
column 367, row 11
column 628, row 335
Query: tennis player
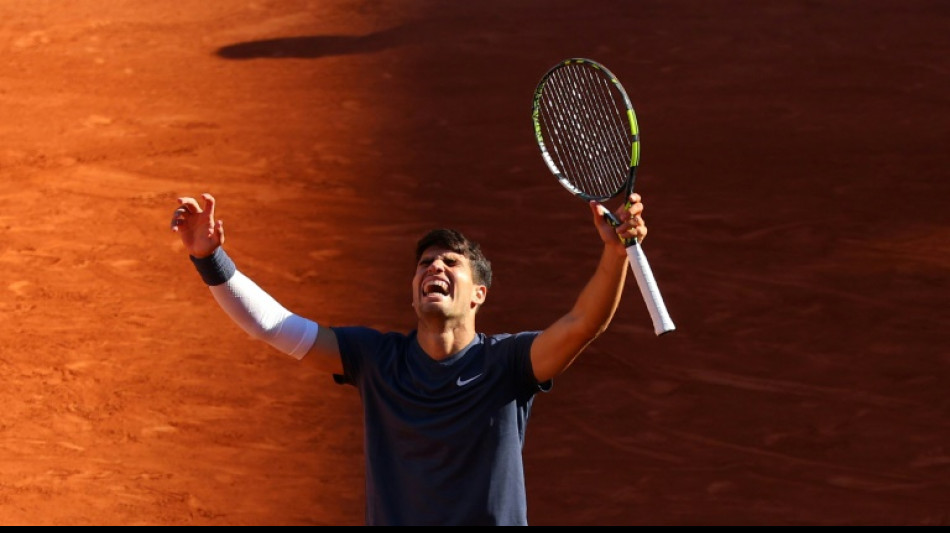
column 445, row 407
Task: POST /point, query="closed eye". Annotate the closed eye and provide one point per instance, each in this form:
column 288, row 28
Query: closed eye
column 449, row 261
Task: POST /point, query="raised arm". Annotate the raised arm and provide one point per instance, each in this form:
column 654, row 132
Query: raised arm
column 249, row 306
column 559, row 345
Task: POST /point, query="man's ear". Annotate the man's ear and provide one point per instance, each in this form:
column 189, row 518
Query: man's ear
column 479, row 294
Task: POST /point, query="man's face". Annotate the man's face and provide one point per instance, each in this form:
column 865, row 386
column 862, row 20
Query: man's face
column 443, row 285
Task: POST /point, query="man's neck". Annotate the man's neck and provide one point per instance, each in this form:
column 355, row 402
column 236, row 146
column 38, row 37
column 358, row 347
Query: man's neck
column 441, row 342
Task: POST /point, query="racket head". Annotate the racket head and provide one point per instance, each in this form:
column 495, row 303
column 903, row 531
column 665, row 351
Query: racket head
column 586, row 128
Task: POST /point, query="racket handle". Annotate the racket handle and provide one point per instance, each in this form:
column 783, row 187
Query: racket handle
column 662, row 323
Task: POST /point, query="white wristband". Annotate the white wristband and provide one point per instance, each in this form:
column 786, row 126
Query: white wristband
column 263, row 318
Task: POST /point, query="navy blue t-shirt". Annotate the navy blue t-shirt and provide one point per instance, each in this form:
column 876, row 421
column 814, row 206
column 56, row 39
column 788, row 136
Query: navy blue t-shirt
column 443, row 439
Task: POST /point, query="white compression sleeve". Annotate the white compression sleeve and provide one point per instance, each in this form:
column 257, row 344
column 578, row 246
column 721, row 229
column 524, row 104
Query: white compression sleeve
column 263, row 318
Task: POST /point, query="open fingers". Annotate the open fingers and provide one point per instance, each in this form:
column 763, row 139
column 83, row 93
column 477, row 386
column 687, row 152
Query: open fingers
column 178, row 218
column 209, row 204
column 185, row 206
column 219, row 229
column 188, row 206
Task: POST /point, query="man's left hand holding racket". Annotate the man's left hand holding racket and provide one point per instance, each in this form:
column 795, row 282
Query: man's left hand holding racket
column 632, row 224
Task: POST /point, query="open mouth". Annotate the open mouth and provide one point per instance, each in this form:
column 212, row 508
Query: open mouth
column 435, row 287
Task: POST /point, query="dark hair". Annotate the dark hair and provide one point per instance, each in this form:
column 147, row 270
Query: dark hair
column 451, row 239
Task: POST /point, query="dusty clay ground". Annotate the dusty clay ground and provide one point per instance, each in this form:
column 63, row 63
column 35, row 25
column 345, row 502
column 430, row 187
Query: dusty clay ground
column 794, row 172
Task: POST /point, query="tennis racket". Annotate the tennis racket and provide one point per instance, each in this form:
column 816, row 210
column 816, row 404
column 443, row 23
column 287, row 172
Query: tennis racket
column 587, row 131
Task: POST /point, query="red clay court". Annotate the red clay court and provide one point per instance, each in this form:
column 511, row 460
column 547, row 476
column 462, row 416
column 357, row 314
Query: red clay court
column 793, row 172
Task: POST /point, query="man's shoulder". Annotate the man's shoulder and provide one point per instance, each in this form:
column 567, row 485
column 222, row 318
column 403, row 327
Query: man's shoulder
column 499, row 337
column 521, row 339
column 368, row 331
column 367, row 336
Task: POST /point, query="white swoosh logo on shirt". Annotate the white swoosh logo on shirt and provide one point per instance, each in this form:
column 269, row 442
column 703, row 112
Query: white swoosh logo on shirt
column 463, row 382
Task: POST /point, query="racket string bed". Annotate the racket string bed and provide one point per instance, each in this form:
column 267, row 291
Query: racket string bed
column 589, row 139
column 573, row 141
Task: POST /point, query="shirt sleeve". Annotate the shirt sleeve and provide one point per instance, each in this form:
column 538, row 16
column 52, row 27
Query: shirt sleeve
column 356, row 344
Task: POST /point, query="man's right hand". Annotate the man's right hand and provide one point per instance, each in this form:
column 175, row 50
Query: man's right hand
column 200, row 233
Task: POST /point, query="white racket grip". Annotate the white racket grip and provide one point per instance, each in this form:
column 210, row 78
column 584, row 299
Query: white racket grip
column 662, row 323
